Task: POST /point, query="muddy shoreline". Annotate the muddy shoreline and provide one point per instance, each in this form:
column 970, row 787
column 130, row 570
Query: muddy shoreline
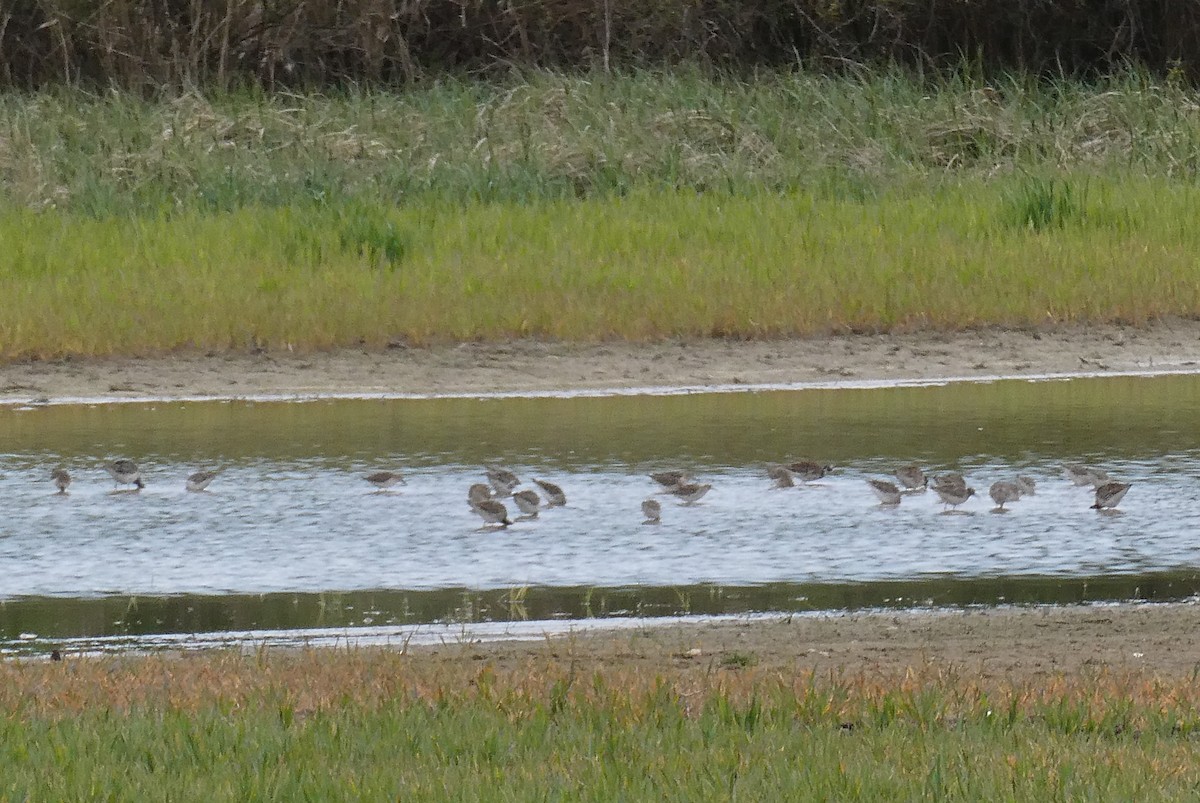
column 1011, row 643
column 538, row 367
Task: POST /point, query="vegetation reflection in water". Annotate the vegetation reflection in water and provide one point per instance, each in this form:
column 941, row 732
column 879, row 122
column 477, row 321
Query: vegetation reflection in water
column 292, row 515
column 1128, row 417
column 34, row 624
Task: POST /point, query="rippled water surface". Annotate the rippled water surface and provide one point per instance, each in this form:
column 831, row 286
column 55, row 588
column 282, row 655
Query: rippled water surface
column 292, row 513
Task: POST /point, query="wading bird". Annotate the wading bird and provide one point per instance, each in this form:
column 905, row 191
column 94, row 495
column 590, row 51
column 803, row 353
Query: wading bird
column 1110, row 494
column 953, row 495
column 808, row 471
column 200, row 480
column 125, row 472
column 912, row 478
column 385, row 479
column 652, row 510
column 492, row 512
column 527, row 502
column 502, row 480
column 887, row 492
column 554, row 495
column 1004, row 491
column 669, row 479
column 691, row 492
column 62, row 480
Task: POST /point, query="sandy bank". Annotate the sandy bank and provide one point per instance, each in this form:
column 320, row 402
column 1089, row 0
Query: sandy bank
column 535, row 367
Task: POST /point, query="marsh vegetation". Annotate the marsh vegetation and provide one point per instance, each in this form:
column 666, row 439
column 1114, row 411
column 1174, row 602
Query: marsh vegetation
column 638, row 206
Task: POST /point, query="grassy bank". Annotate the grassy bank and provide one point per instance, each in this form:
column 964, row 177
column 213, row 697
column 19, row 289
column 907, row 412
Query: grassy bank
column 588, row 208
column 649, row 265
column 379, row 725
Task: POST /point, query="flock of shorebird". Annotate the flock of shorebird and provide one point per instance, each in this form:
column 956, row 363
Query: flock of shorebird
column 952, row 489
column 126, row 472
column 484, row 498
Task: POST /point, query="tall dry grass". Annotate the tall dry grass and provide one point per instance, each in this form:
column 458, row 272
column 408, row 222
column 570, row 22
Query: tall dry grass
column 549, row 136
column 155, row 44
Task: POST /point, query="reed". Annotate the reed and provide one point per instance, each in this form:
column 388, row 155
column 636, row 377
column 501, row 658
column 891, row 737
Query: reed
column 365, row 724
column 145, row 45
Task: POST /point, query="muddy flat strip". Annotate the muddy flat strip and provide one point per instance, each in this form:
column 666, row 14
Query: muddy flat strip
column 536, row 367
column 1013, row 644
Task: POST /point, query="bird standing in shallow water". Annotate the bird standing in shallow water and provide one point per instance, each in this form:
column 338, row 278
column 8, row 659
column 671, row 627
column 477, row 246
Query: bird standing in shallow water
column 527, row 502
column 1110, row 494
column 200, row 480
column 1028, row 485
column 912, row 478
column 949, row 481
column 652, row 510
column 492, row 512
column 887, row 492
column 125, row 472
column 479, row 492
column 1080, row 474
column 781, row 476
column 1004, row 491
column 554, row 494
column 386, row 479
column 953, row 495
column 807, row 470
column 502, row 480
column 669, row 479
column 62, row 480
column 691, row 492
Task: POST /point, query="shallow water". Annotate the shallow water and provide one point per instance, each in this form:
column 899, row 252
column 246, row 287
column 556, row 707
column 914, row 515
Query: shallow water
column 32, row 624
column 291, row 512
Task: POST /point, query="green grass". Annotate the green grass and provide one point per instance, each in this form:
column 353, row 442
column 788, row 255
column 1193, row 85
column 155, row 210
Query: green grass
column 375, row 726
column 479, row 751
column 648, row 265
column 594, row 207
